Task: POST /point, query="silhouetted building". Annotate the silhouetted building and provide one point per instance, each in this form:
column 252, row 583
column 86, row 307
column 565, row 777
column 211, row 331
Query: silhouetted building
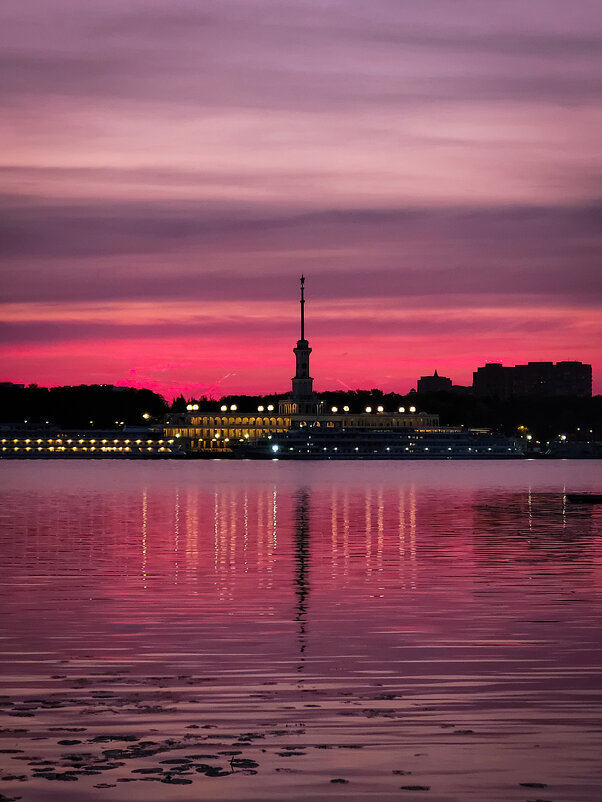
column 214, row 432
column 492, row 380
column 302, row 400
column 462, row 389
column 434, row 384
column 534, row 379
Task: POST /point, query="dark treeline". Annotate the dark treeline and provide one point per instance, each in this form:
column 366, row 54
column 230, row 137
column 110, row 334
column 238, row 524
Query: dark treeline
column 106, row 407
column 85, row 406
column 543, row 418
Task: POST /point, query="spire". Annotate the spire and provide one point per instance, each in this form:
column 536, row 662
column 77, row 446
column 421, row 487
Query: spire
column 302, row 308
column 302, row 400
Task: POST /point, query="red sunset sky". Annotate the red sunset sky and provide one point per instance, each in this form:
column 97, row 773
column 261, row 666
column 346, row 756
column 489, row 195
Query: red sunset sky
column 169, row 170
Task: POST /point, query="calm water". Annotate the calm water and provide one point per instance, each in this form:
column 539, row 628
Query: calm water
column 258, row 631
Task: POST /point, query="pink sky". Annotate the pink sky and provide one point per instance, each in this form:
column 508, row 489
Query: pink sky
column 168, row 172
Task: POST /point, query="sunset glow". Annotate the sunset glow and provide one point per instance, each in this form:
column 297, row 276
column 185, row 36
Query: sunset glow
column 170, row 170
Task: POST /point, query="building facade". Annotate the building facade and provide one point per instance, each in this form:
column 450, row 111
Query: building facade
column 214, row 433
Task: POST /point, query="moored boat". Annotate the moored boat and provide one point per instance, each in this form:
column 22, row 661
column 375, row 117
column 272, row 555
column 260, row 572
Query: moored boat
column 310, row 442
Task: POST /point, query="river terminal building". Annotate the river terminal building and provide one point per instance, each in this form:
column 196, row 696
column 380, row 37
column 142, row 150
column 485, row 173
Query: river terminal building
column 214, row 433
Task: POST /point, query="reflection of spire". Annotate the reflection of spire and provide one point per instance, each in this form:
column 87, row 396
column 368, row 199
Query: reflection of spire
column 302, row 561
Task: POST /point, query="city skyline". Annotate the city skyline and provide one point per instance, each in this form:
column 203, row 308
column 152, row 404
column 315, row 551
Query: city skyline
column 169, row 173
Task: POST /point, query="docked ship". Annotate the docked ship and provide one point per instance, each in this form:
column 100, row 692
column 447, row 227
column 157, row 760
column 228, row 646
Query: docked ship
column 311, row 442
column 25, row 441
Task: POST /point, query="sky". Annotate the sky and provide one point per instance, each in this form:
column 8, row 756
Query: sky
column 168, row 170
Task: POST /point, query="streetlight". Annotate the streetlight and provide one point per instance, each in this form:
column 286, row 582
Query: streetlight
column 368, row 409
column 401, row 409
column 334, row 409
column 345, row 409
column 380, row 409
column 145, row 415
column 412, row 409
column 224, row 408
column 233, row 407
column 260, row 408
column 270, row 407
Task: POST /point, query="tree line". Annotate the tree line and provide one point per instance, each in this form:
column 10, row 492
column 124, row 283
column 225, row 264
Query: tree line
column 102, row 406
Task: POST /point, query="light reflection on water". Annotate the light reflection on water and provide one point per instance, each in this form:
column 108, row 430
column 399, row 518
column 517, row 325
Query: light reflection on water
column 387, row 624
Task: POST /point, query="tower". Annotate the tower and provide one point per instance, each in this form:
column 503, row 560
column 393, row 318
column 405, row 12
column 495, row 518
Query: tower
column 302, row 400
column 302, row 382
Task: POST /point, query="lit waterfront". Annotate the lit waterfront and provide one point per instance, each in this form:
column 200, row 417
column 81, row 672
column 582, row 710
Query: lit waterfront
column 272, row 627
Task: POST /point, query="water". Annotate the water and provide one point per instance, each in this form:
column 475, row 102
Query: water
column 275, row 627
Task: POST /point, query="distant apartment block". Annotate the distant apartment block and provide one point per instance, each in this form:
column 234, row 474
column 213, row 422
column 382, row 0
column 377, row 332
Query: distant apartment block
column 534, row 379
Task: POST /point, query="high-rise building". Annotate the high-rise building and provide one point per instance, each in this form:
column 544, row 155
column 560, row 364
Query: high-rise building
column 533, row 379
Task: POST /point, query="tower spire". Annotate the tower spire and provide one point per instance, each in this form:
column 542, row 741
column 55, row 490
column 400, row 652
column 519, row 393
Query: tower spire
column 302, row 400
column 302, row 307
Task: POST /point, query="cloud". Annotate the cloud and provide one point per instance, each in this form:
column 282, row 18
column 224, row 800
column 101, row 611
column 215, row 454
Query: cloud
column 301, row 56
column 116, row 250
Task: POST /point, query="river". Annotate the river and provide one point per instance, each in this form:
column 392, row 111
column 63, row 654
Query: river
column 218, row 630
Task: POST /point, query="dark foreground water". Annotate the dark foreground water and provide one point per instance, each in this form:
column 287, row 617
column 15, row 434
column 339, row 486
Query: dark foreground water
column 300, row 631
